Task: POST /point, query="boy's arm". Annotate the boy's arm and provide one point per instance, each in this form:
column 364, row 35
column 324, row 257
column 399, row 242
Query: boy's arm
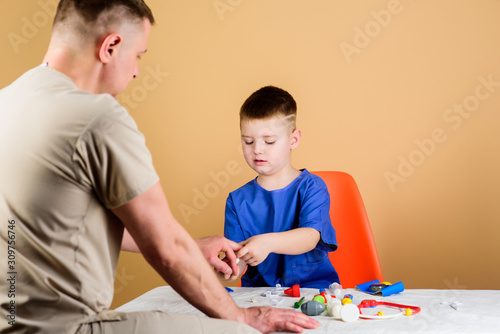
column 314, row 212
column 293, row 242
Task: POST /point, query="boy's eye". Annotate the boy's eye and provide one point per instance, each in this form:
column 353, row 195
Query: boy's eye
column 270, row 142
column 249, row 142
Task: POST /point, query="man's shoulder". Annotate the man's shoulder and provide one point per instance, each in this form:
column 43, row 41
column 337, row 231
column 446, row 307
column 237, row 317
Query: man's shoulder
column 78, row 103
column 45, row 84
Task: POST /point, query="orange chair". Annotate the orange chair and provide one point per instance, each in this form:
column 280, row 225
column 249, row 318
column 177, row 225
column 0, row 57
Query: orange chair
column 356, row 259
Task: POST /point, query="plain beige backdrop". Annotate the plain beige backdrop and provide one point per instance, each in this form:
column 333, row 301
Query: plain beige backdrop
column 403, row 95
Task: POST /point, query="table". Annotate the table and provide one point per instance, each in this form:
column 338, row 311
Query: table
column 478, row 310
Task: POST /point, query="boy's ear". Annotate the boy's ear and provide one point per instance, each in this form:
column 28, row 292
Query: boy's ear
column 109, row 47
column 295, row 139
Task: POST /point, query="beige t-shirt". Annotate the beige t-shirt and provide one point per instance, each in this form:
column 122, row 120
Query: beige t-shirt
column 67, row 156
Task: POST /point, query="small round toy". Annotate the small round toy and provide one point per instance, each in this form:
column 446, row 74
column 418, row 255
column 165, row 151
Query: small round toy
column 408, row 312
column 312, row 308
column 334, row 305
column 346, row 301
column 335, row 311
column 349, row 313
column 320, row 299
column 380, row 313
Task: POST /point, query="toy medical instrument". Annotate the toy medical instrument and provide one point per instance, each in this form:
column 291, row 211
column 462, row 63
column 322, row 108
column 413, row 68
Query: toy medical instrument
column 385, row 289
column 312, row 308
column 408, row 310
column 346, row 301
column 320, row 299
column 274, row 294
column 333, row 307
column 377, row 286
column 349, row 313
column 336, row 289
column 294, row 291
column 297, row 304
column 276, row 291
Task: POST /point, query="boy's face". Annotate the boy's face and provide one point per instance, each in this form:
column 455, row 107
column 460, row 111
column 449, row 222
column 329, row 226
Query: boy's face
column 267, row 144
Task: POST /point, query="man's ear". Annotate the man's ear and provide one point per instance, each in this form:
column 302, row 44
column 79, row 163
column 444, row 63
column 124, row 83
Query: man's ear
column 295, row 139
column 109, row 47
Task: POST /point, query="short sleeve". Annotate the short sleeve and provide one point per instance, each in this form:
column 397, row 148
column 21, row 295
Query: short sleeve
column 114, row 158
column 232, row 228
column 315, row 212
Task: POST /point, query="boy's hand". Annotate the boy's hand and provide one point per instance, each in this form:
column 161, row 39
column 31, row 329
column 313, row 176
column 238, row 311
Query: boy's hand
column 256, row 249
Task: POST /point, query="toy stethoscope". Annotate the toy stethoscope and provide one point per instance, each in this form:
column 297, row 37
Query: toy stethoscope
column 408, row 310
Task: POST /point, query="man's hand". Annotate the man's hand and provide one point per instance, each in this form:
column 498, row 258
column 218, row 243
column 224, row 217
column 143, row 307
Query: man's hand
column 212, row 246
column 271, row 319
column 256, row 249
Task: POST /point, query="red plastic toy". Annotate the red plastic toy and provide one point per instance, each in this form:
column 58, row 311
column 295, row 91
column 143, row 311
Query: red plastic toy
column 372, row 303
column 294, row 291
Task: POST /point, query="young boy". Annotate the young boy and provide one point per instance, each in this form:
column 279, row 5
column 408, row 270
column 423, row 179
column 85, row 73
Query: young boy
column 282, row 216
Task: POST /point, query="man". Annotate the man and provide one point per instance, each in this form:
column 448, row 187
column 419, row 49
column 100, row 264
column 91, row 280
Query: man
column 79, row 183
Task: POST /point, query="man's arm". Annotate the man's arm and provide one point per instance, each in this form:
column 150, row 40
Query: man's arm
column 128, row 243
column 210, row 247
column 171, row 251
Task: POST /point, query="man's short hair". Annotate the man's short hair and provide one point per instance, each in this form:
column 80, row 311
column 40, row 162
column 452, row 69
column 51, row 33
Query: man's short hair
column 269, row 102
column 108, row 12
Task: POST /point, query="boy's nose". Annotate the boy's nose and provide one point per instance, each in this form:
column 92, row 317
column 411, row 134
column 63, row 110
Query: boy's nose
column 258, row 148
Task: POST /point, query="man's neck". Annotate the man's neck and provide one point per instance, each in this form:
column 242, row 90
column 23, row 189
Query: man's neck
column 80, row 68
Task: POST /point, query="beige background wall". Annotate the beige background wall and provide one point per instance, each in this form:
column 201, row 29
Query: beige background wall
column 404, row 95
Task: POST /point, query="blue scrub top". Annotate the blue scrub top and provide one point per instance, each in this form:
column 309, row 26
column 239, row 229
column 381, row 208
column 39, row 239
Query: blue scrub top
column 305, row 202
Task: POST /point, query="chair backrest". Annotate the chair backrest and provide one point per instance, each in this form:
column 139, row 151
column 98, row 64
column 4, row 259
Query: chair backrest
column 356, row 259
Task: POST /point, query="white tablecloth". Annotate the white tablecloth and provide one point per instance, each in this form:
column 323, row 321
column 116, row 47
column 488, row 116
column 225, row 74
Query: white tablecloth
column 478, row 310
